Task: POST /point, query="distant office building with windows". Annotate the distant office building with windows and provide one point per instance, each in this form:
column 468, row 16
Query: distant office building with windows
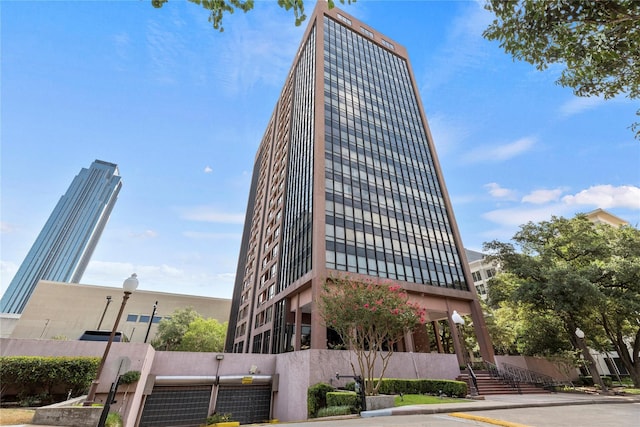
column 346, row 181
column 63, row 248
column 482, row 271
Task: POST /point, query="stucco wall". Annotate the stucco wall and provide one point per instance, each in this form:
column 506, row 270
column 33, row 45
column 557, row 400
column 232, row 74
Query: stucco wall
column 294, row 372
column 48, row 313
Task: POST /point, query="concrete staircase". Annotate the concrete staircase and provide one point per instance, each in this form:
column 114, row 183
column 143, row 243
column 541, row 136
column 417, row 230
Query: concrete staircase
column 488, row 385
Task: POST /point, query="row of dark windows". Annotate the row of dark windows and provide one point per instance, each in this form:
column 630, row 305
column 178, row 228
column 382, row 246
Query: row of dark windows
column 372, row 116
column 297, row 238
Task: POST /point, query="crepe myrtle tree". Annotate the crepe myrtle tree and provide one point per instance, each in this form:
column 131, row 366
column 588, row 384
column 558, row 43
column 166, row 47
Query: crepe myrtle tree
column 217, row 8
column 370, row 318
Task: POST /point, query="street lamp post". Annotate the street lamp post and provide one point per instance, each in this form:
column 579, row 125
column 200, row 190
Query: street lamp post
column 153, row 313
column 129, row 286
column 105, row 311
column 459, row 321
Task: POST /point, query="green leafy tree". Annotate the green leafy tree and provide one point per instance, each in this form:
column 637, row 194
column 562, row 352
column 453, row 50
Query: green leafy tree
column 204, row 335
column 597, row 41
column 586, row 275
column 217, row 8
column 370, row 319
column 172, row 330
column 187, row 330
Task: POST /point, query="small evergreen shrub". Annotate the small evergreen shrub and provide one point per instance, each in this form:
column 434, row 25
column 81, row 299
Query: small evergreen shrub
column 113, row 420
column 317, row 398
column 129, row 377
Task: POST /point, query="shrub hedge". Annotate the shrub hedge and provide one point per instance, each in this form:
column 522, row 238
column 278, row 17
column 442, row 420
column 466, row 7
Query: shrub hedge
column 36, row 375
column 343, row 398
column 317, row 398
column 423, row 386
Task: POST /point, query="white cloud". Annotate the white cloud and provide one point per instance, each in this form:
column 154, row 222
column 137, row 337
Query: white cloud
column 212, row 236
column 606, row 197
column 161, row 278
column 495, row 190
column 8, row 269
column 447, row 133
column 210, row 214
column 5, row 227
column 464, row 49
column 577, row 105
column 207, row 169
column 539, row 197
column 146, row 234
column 499, row 153
column 522, row 214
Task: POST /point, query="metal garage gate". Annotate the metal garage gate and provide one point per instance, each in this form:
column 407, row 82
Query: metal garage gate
column 186, row 405
column 247, row 399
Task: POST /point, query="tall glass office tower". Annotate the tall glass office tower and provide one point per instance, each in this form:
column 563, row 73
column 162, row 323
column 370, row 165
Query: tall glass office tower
column 64, row 246
column 346, row 181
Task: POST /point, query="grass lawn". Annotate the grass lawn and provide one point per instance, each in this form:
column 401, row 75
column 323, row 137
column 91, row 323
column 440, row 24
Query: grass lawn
column 15, row 416
column 421, row 399
column 630, row 390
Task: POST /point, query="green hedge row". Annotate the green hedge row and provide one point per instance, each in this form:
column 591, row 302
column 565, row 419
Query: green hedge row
column 423, row 386
column 343, row 398
column 29, row 375
column 323, row 395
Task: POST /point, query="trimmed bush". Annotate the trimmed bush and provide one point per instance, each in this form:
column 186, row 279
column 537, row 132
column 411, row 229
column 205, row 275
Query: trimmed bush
column 343, row 398
column 423, row 386
column 332, row 411
column 30, row 376
column 317, row 398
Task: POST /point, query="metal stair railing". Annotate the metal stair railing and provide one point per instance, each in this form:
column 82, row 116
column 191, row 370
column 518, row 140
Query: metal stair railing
column 523, row 375
column 503, row 376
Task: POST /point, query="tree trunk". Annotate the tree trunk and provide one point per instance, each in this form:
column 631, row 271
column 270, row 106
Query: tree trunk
column 597, row 379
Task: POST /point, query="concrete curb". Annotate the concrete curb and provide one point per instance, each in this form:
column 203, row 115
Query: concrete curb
column 487, row 405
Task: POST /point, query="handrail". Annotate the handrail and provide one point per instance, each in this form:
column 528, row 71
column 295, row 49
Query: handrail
column 503, row 376
column 518, row 375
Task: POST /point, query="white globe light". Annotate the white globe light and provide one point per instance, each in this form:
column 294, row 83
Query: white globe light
column 131, row 283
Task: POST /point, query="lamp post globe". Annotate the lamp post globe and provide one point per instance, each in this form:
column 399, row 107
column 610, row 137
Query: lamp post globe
column 579, row 333
column 129, row 285
column 457, row 319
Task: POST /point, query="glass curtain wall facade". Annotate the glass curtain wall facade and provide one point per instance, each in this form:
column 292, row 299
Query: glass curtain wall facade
column 64, row 247
column 346, row 181
column 385, row 214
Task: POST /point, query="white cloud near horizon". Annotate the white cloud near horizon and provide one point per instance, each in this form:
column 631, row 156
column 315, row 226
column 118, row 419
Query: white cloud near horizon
column 498, row 192
column 549, row 203
column 210, row 214
column 212, row 236
column 146, row 234
column 606, row 197
column 5, row 227
column 542, row 196
column 499, row 153
column 578, row 104
column 160, row 278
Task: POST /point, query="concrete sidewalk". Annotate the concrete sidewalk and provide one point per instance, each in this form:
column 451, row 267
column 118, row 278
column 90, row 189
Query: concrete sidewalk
column 505, row 401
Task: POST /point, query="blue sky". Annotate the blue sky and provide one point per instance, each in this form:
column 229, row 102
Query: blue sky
column 181, row 109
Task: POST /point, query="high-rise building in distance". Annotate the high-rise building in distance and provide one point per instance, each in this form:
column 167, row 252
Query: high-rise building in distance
column 63, row 248
column 346, row 181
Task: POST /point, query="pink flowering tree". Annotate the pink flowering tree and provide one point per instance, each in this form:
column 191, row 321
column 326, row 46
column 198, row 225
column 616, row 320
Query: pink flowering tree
column 370, row 319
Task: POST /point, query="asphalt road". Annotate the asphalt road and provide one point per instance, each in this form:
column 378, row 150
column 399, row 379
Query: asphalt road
column 596, row 415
